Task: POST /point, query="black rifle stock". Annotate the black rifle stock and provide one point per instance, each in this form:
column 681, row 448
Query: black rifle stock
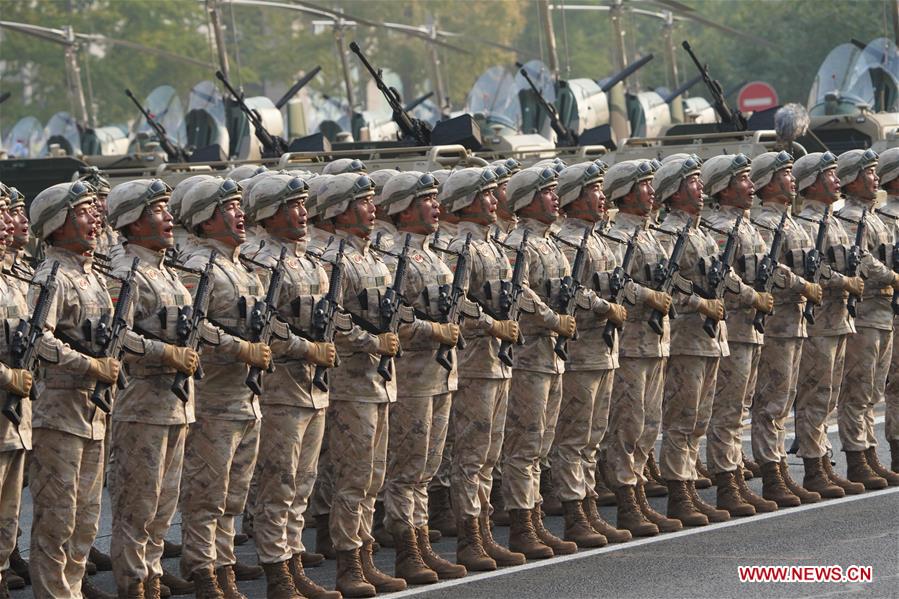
column 187, row 329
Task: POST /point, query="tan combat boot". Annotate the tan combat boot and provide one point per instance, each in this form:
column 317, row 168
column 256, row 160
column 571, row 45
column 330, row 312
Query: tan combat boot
column 409, row 566
column 605, row 494
column 523, row 537
column 774, row 488
column 551, row 505
column 600, row 525
column 858, row 470
column 502, row 556
column 206, row 584
column 630, row 516
column 558, row 546
column 680, row 505
column 445, row 569
column 279, row 582
column 706, row 509
column 849, row 487
column 304, row 585
column 383, row 582
column 894, row 455
column 176, row 584
column 728, row 497
column 153, row 588
column 323, row 543
column 705, row 479
column 816, row 480
column 578, row 528
column 228, row 583
column 135, row 590
column 879, row 469
column 470, row 550
column 500, row 516
column 664, row 524
column 656, row 486
column 752, row 466
column 351, row 581
column 761, row 505
column 804, row 495
column 441, row 515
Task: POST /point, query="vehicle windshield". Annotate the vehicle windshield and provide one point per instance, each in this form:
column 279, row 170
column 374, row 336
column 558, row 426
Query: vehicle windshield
column 494, row 97
column 205, row 96
column 62, row 126
column 878, row 66
column 26, row 138
column 164, row 105
column 839, row 88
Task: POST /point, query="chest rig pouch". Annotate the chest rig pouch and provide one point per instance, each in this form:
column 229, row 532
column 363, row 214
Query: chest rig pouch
column 838, row 256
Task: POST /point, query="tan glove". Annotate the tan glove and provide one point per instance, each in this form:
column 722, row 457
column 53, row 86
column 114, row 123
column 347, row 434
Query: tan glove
column 506, row 330
column 567, row 326
column 854, row 285
column 763, row 302
column 658, row 300
column 388, row 344
column 255, row 354
column 20, row 382
column 617, row 314
column 712, row 308
column 104, row 369
column 813, row 293
column 182, row 359
column 445, row 333
column 321, row 353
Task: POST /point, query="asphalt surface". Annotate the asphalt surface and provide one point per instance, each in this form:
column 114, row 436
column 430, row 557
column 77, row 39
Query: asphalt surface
column 698, row 562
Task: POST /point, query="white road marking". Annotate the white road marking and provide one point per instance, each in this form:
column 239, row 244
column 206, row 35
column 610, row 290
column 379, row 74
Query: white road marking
column 418, row 590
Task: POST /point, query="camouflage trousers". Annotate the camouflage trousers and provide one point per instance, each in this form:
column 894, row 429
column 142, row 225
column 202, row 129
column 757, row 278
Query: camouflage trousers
column 686, row 411
column 444, row 471
column 868, row 355
column 320, row 502
column 891, row 425
column 290, row 440
column 479, row 423
column 737, row 377
column 66, row 484
column 357, row 440
column 774, row 397
column 534, row 400
column 12, row 473
column 144, row 481
column 219, row 458
column 820, row 379
column 634, row 418
column 418, row 428
column 583, row 419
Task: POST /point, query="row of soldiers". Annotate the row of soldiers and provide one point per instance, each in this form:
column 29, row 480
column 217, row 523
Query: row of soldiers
column 349, row 323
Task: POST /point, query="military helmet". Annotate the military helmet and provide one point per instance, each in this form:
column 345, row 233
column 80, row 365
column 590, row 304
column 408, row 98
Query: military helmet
column 336, row 194
column 4, row 190
column 462, row 186
column 201, row 200
column 807, row 168
column 270, row 193
column 316, row 184
column 379, row 178
column 180, row 189
column 344, row 165
column 246, row 171
column 681, row 156
column 526, row 183
column 512, row 165
column 888, row 167
column 853, row 162
column 50, row 208
column 247, row 185
column 621, row 177
column 126, row 201
column 557, row 164
column 667, row 180
column 95, row 178
column 718, row 171
column 441, row 175
column 574, row 178
column 16, row 198
column 765, row 165
column 403, row 188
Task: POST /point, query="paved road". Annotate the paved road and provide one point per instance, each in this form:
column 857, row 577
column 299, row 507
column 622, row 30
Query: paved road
column 702, row 562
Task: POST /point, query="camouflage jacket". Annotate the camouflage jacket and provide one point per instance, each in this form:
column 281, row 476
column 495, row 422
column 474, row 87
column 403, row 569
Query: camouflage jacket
column 14, row 261
column 889, row 214
column 13, row 308
column 386, row 235
column 874, row 310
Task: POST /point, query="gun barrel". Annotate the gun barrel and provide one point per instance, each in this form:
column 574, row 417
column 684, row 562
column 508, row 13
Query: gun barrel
column 680, row 90
column 300, row 84
column 626, row 72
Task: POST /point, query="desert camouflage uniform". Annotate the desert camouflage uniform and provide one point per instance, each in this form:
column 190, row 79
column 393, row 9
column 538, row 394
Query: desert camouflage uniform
column 14, row 261
column 387, row 236
column 637, row 410
column 420, row 416
column 785, row 331
column 109, row 243
column 149, row 424
column 889, row 214
column 869, row 351
column 536, row 392
column 824, row 351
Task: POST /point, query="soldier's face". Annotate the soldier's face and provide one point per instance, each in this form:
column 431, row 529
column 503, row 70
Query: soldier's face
column 639, row 200
column 590, row 205
column 6, row 222
column 78, row 234
column 422, row 216
column 502, row 202
column 689, row 195
column 544, row 207
column 782, row 186
column 483, row 209
column 739, row 192
column 289, row 222
column 358, row 219
column 154, row 229
column 227, row 224
column 865, row 185
column 19, row 227
column 826, row 187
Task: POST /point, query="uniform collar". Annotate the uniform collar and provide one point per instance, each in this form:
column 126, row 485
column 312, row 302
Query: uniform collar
column 82, row 262
column 775, row 207
column 733, row 211
column 220, row 247
column 477, row 230
column 536, row 227
column 679, row 218
column 416, row 240
column 296, row 248
column 450, row 230
column 856, row 201
column 814, row 206
column 146, row 255
column 357, row 243
column 631, row 221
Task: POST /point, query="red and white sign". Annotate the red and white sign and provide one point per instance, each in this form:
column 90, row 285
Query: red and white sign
column 756, row 96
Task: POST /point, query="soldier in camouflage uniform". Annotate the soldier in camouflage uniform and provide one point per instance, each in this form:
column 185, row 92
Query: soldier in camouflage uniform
column 506, row 220
column 68, row 429
column 385, row 231
column 16, row 259
column 888, row 173
column 420, row 417
column 869, row 351
column 590, row 369
column 479, row 406
column 824, row 351
column 358, row 412
column 182, row 236
column 108, row 240
column 536, row 392
column 149, row 424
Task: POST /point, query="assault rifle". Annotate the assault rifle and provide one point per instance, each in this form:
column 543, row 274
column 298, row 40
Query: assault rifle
column 813, row 259
column 174, row 152
column 272, row 145
column 716, row 277
column 665, row 275
column 263, row 318
column 26, row 339
column 187, row 327
column 617, row 280
column 764, row 275
column 453, row 305
column 324, row 315
column 389, row 308
column 565, row 136
column 733, row 119
column 510, row 293
column 854, row 257
column 568, row 290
